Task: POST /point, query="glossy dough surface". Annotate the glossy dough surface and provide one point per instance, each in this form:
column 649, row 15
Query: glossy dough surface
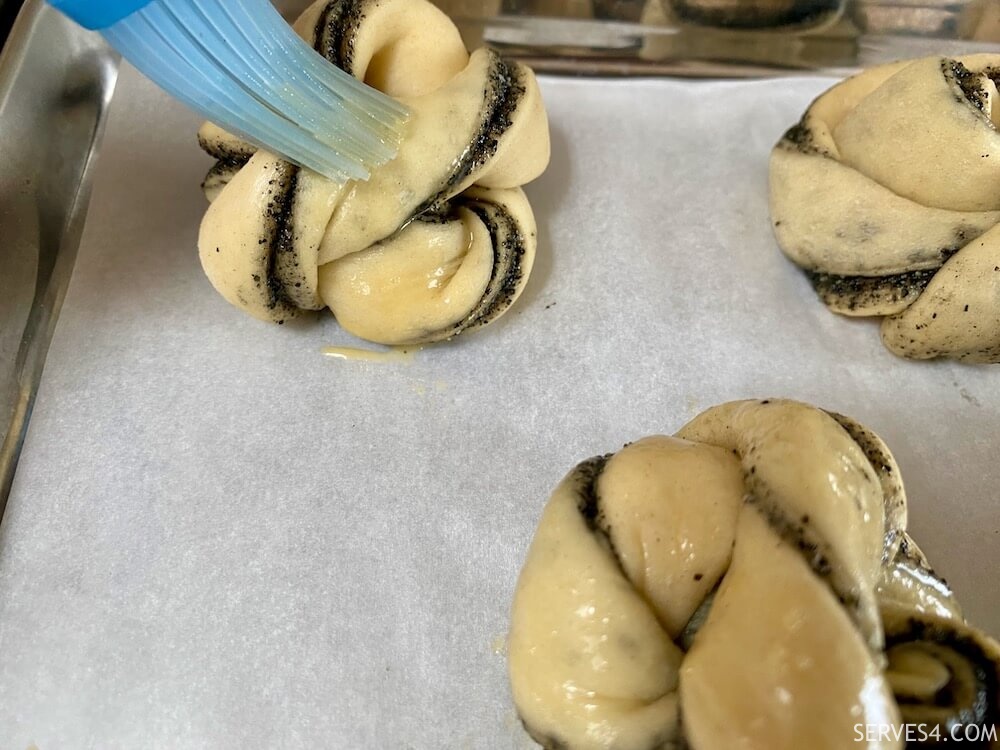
column 887, row 193
column 748, row 583
column 440, row 240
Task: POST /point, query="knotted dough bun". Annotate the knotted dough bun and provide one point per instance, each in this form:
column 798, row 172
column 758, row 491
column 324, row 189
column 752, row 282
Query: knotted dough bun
column 439, row 240
column 746, row 584
column 887, row 193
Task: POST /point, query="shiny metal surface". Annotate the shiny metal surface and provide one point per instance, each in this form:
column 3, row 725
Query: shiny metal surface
column 55, row 84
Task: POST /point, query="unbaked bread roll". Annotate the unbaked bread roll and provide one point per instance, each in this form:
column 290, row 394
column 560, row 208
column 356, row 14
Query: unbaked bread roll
column 440, row 240
column 887, row 194
column 746, row 584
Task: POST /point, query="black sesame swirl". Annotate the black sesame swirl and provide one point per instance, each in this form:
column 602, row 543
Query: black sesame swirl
column 585, row 477
column 510, row 249
column 280, row 238
column 505, row 88
column 336, row 30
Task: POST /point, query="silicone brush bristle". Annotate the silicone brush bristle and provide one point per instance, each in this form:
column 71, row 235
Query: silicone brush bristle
column 240, row 65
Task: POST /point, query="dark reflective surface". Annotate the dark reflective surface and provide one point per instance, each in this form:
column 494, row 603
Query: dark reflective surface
column 754, row 14
column 8, row 12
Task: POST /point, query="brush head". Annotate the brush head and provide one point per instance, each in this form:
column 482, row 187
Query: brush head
column 239, row 64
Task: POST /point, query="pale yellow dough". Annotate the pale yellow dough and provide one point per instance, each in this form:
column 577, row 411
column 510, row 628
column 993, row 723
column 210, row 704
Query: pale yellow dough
column 887, row 193
column 439, row 240
column 747, row 584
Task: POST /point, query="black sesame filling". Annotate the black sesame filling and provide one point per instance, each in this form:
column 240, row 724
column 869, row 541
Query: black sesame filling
column 801, row 138
column 817, row 553
column 852, row 292
column 219, row 175
column 505, row 89
column 509, row 249
column 229, row 154
column 970, row 82
column 686, row 638
column 589, row 504
column 869, row 445
column 882, row 462
column 586, row 476
column 508, row 253
column 501, row 97
column 336, row 31
column 279, row 211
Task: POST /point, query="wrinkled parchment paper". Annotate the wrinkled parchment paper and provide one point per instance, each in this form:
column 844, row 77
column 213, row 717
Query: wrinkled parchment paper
column 219, row 538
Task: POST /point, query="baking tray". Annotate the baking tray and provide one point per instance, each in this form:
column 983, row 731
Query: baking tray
column 218, row 538
column 55, row 86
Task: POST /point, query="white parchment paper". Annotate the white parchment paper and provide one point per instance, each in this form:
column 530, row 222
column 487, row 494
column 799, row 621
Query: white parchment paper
column 218, row 538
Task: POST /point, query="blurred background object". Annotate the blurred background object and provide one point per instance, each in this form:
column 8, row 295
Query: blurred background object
column 712, row 37
column 8, row 11
column 725, row 37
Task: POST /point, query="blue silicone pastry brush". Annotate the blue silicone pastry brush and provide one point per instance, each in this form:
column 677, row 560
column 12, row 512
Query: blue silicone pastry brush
column 238, row 63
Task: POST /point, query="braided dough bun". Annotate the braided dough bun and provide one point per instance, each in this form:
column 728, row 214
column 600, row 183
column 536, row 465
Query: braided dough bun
column 746, row 584
column 439, row 240
column 887, row 193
